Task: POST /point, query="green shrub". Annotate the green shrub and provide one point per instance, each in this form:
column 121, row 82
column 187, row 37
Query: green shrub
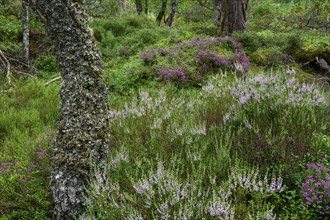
column 25, row 192
column 47, row 63
column 267, row 48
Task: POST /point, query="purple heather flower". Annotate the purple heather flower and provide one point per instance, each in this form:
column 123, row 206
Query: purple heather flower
column 291, row 72
column 244, row 99
column 6, row 164
column 320, row 100
column 23, row 180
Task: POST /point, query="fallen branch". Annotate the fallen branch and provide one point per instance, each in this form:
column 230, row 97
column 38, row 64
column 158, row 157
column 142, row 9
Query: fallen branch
column 6, row 65
column 53, row 80
column 17, row 65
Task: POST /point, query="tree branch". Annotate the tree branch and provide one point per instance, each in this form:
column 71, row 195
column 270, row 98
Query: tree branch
column 6, row 65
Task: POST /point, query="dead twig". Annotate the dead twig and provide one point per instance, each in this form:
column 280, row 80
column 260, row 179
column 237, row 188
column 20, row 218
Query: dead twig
column 6, row 65
column 53, row 80
column 19, row 63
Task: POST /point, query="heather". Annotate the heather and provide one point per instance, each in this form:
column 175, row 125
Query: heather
column 202, row 126
column 191, row 61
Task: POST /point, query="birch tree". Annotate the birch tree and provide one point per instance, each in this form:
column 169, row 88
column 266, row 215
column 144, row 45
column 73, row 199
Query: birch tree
column 25, row 24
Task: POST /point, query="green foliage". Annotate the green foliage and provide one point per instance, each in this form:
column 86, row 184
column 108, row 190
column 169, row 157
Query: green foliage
column 25, row 192
column 10, row 32
column 46, row 64
column 26, row 111
column 267, row 48
column 291, row 15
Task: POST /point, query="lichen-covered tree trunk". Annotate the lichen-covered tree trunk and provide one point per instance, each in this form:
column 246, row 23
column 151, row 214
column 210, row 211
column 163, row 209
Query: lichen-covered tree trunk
column 139, row 7
column 25, row 24
column 82, row 128
column 170, row 19
column 161, row 13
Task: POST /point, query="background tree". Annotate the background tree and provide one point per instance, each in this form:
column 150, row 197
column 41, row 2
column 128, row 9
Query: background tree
column 161, row 13
column 139, row 7
column 25, row 21
column 231, row 14
column 146, row 7
column 82, row 127
column 170, row 19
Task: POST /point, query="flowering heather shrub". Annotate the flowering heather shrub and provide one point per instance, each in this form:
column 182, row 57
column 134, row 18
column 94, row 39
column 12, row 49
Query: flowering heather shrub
column 174, row 75
column 163, row 194
column 169, row 162
column 197, row 57
column 316, row 188
column 149, row 57
column 207, row 60
column 265, row 114
column 243, row 60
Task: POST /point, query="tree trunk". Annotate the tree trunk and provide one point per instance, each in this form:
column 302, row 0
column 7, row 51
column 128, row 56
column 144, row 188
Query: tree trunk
column 83, row 124
column 25, row 23
column 146, row 7
column 230, row 14
column 170, row 19
column 161, row 13
column 236, row 15
column 139, row 7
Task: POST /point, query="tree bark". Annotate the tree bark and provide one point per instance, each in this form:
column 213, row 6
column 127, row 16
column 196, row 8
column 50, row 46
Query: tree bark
column 25, row 23
column 230, row 14
column 236, row 15
column 139, row 7
column 170, row 19
column 161, row 13
column 83, row 125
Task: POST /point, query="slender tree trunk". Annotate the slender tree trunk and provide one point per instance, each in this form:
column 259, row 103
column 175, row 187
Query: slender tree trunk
column 25, row 22
column 170, row 19
column 139, row 7
column 161, row 13
column 82, row 127
column 146, row 7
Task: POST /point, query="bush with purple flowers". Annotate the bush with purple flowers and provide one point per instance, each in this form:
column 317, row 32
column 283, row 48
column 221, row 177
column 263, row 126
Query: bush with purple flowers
column 316, row 188
column 174, row 75
column 198, row 58
column 149, row 56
